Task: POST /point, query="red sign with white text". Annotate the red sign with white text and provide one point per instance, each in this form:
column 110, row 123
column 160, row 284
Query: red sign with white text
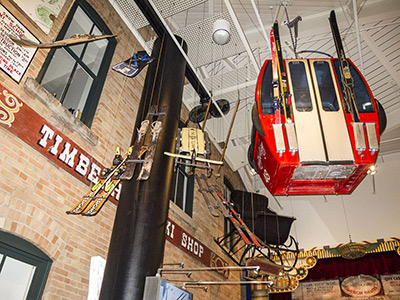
column 29, row 126
column 33, row 129
column 192, row 246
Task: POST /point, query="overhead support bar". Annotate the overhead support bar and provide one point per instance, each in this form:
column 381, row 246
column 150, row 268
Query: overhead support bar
column 159, row 25
column 242, row 35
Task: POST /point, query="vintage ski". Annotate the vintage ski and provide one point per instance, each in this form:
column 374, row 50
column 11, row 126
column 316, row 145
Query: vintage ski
column 347, row 80
column 97, row 202
column 134, row 158
column 239, row 224
column 106, row 175
column 275, row 80
column 282, row 77
column 228, row 211
column 156, row 128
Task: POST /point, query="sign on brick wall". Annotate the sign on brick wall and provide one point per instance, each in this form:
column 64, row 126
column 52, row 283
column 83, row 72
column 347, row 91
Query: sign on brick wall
column 41, row 12
column 33, row 129
column 14, row 59
column 193, row 247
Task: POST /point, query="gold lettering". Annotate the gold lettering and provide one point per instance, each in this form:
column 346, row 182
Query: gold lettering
column 8, row 108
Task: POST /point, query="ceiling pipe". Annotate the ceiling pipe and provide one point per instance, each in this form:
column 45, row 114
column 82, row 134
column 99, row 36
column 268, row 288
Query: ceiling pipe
column 159, row 25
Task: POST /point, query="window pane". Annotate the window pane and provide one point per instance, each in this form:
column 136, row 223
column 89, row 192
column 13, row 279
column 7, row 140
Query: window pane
column 183, row 188
column 94, row 52
column 179, row 188
column 80, row 23
column 267, row 97
column 227, row 223
column 325, row 86
column 78, row 91
column 58, row 72
column 300, row 91
column 15, row 279
column 189, row 193
column 363, row 97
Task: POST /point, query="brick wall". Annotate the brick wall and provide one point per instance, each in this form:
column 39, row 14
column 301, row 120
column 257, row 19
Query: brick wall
column 35, row 193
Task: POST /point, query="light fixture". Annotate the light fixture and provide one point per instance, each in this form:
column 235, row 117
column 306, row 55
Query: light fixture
column 352, row 250
column 221, row 32
column 372, row 170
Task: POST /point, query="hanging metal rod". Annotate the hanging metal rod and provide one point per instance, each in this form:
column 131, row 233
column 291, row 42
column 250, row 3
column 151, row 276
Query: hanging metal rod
column 181, row 265
column 160, row 27
column 200, row 283
column 255, row 269
column 228, row 135
column 358, row 36
column 265, row 35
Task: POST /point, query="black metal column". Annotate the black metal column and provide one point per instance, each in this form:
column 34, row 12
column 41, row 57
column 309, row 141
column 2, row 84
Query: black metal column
column 137, row 242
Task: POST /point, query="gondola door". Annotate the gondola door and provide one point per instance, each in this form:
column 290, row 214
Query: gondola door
column 305, row 113
column 331, row 113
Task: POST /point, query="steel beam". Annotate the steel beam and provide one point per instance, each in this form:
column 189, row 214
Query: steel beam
column 155, row 19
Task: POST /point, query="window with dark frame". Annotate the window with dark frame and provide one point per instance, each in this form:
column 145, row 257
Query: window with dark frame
column 23, row 268
column 326, row 88
column 267, row 93
column 228, row 189
column 362, row 95
column 75, row 74
column 301, row 90
column 182, row 188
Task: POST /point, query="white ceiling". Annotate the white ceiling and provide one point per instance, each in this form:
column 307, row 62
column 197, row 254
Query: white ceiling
column 230, row 72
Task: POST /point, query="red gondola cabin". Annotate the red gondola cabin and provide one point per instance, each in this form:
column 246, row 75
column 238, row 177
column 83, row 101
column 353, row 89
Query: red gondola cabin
column 322, row 150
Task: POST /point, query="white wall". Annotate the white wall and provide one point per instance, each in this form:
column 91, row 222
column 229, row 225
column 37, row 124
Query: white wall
column 321, row 220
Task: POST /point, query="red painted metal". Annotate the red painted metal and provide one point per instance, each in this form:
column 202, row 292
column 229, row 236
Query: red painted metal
column 276, row 170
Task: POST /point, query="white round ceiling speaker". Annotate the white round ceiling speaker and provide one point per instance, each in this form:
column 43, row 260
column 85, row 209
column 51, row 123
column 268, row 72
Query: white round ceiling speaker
column 221, row 32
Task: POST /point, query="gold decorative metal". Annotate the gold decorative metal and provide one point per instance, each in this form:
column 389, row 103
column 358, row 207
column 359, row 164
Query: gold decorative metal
column 8, row 108
column 352, row 250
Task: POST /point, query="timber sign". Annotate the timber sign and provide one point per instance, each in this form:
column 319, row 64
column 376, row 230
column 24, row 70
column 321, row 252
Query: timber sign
column 33, row 129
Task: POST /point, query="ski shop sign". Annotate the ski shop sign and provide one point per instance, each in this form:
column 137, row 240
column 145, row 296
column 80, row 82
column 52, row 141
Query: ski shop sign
column 186, row 242
column 15, row 115
column 14, row 59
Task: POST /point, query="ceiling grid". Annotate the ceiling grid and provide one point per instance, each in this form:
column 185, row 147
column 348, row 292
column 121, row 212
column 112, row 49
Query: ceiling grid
column 225, row 69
